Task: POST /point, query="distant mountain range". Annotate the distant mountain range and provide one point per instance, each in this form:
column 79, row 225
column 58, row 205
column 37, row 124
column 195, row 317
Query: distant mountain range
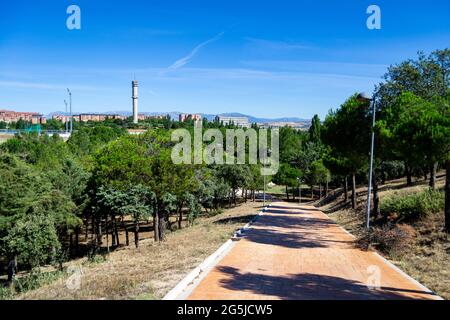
column 174, row 115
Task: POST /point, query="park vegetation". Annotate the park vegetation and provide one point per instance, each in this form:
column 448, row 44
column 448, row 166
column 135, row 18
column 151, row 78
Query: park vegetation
column 64, row 199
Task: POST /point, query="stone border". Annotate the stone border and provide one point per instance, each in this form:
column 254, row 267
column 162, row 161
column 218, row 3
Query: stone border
column 209, row 262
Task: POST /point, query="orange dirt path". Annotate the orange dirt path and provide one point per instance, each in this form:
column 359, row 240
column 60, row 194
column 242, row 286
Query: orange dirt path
column 298, row 252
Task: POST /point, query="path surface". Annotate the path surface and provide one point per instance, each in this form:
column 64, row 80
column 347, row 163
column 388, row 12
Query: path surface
column 298, row 252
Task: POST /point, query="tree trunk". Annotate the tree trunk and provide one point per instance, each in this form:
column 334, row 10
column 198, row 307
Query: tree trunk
column 107, row 233
column 99, row 233
column 71, row 244
column 86, row 230
column 116, row 231
column 326, row 190
column 345, row 189
column 77, row 240
column 113, row 234
column 320, row 191
column 127, row 239
column 94, row 225
column 155, row 227
column 136, row 233
column 161, row 226
column 312, row 192
column 447, row 196
column 383, row 173
column 433, row 169
column 287, row 193
column 180, row 218
column 12, row 269
column 353, row 191
column 408, row 174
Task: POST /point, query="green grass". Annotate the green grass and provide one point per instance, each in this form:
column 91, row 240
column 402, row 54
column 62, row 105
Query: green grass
column 413, row 206
column 276, row 189
column 31, row 281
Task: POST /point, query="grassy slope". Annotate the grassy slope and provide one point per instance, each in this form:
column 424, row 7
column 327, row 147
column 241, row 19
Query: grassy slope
column 428, row 260
column 152, row 270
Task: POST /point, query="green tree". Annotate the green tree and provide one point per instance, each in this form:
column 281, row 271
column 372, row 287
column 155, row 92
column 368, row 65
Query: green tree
column 32, row 239
column 346, row 131
column 287, row 175
column 314, row 130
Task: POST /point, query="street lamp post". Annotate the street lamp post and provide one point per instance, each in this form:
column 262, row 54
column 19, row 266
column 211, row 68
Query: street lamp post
column 366, row 97
column 71, row 116
column 264, row 195
column 65, row 118
column 266, row 153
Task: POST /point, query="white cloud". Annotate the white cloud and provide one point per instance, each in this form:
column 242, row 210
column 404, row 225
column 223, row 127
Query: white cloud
column 183, row 61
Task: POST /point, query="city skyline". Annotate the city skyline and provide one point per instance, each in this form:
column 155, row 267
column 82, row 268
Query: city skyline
column 258, row 59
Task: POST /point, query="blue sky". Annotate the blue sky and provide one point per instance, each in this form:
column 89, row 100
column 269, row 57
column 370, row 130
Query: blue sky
column 265, row 58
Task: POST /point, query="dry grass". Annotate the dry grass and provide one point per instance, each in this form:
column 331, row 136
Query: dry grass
column 4, row 137
column 428, row 258
column 152, row 270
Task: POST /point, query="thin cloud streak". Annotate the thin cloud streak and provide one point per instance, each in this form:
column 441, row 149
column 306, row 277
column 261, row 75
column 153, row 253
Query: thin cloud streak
column 183, row 61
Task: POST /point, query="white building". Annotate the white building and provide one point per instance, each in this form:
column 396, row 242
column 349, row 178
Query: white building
column 241, row 122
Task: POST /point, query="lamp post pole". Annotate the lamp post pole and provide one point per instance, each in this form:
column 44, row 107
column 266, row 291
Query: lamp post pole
column 366, row 97
column 264, row 196
column 266, row 153
column 264, row 164
column 71, row 116
column 65, row 118
column 372, row 147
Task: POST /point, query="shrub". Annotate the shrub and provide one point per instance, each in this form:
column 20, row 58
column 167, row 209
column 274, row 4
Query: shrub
column 33, row 239
column 5, row 293
column 35, row 279
column 391, row 239
column 413, row 206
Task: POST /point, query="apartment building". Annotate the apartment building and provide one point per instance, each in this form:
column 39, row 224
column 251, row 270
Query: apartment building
column 189, row 116
column 237, row 121
column 9, row 116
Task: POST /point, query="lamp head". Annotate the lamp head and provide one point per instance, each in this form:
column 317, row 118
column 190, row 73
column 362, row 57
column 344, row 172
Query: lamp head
column 364, row 96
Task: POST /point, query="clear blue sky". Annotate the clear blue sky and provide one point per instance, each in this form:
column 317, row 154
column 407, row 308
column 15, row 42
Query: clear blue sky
column 265, row 58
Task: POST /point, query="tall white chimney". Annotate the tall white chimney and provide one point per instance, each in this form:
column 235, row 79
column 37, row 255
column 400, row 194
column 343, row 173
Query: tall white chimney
column 134, row 85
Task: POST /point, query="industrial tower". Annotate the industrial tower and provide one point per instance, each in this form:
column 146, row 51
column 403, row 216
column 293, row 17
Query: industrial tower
column 134, row 85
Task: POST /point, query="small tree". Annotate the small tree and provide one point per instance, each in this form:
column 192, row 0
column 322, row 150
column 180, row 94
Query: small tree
column 33, row 240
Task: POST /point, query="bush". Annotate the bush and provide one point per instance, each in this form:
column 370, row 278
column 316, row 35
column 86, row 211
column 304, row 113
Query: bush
column 33, row 239
column 35, row 279
column 413, row 206
column 5, row 293
column 391, row 239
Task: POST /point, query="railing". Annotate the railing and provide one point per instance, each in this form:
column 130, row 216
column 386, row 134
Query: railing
column 40, row 131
